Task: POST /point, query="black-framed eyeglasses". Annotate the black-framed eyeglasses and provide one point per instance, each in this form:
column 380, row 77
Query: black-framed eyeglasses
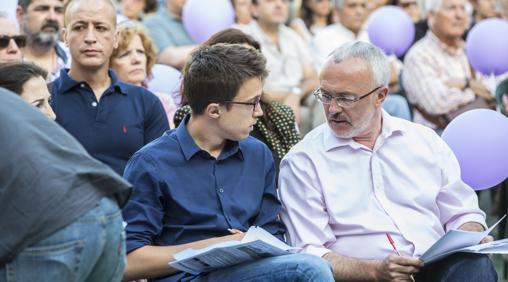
column 342, row 101
column 19, row 39
column 254, row 104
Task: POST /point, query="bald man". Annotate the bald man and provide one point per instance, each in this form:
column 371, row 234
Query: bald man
column 110, row 118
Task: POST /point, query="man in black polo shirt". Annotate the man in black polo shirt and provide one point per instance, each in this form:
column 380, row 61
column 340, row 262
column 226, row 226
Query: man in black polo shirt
column 59, row 219
column 110, row 118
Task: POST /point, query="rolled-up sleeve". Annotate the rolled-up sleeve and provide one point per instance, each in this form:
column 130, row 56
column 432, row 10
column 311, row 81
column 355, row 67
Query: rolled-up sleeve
column 145, row 209
column 303, row 209
column 457, row 201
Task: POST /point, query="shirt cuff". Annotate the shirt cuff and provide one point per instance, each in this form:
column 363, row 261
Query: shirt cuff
column 315, row 250
column 456, row 223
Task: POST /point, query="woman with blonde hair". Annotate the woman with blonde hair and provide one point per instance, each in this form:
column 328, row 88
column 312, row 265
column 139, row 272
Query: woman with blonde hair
column 134, row 59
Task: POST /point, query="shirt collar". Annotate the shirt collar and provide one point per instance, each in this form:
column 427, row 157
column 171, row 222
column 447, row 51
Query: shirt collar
column 391, row 127
column 190, row 148
column 439, row 44
column 66, row 82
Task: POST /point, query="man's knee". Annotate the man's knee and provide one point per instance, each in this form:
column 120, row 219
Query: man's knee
column 311, row 267
column 473, row 267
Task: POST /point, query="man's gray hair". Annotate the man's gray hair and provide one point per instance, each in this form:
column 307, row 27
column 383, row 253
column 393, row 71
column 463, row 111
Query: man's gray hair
column 372, row 55
column 433, row 5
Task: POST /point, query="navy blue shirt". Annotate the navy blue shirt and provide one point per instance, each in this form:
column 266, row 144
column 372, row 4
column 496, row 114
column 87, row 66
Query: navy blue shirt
column 182, row 194
column 125, row 119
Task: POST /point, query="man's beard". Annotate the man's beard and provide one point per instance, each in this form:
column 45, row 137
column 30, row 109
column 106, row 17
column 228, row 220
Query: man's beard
column 42, row 39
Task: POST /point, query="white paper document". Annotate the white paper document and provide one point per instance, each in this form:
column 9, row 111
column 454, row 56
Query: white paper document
column 465, row 241
column 256, row 244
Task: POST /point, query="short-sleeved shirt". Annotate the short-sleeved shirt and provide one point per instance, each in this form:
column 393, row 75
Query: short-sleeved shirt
column 167, row 31
column 182, row 194
column 47, row 179
column 285, row 61
column 125, row 119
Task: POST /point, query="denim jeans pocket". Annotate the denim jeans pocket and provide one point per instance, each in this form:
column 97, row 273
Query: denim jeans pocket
column 58, row 262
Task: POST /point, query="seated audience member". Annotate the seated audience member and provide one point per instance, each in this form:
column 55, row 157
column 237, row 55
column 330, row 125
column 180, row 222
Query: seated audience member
column 207, row 181
column 168, row 33
column 314, row 16
column 410, row 6
column 276, row 127
column 352, row 15
column 29, row 82
column 12, row 42
column 42, row 21
column 110, row 118
column 60, row 218
column 437, row 77
column 133, row 60
column 135, row 10
column 243, row 13
column 292, row 74
column 366, row 174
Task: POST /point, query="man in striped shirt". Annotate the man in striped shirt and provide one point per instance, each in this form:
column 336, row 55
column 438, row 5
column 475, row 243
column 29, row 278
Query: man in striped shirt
column 437, row 76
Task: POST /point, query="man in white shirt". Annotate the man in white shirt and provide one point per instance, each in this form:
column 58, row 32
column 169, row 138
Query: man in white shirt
column 366, row 174
column 292, row 76
column 352, row 15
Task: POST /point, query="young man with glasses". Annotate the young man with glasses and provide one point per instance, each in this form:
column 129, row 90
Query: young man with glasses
column 207, row 180
column 366, row 174
column 11, row 42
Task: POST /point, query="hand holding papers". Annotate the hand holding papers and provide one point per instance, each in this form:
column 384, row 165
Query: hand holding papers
column 256, row 244
column 465, row 241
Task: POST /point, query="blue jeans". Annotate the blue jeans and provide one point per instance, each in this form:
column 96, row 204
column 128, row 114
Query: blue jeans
column 459, row 267
column 296, row 267
column 90, row 249
column 397, row 106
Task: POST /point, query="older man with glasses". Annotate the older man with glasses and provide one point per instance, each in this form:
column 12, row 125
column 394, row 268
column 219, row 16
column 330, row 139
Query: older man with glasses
column 365, row 176
column 11, row 41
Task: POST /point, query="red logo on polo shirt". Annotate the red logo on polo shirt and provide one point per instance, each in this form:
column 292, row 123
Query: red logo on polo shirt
column 124, row 129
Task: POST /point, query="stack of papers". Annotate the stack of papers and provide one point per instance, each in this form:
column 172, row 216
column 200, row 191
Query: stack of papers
column 256, row 244
column 465, row 241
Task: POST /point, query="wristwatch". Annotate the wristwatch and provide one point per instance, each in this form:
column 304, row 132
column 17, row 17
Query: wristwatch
column 296, row 91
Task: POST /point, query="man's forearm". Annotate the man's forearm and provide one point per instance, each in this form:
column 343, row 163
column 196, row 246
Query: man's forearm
column 350, row 269
column 152, row 261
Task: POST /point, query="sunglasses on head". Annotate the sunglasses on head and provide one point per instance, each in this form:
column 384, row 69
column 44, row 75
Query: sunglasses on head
column 19, row 39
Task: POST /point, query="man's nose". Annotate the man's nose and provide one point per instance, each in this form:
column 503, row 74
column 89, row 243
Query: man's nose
column 12, row 48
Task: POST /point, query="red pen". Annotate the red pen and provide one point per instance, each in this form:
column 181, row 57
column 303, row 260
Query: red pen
column 390, row 239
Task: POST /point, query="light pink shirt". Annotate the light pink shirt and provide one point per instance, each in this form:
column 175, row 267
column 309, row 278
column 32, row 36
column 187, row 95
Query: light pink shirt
column 340, row 196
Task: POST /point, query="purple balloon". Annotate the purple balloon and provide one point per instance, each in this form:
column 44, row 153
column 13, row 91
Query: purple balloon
column 487, row 46
column 391, row 29
column 202, row 18
column 479, row 139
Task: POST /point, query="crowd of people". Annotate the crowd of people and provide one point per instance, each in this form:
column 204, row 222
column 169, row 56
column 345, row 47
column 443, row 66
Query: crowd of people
column 290, row 120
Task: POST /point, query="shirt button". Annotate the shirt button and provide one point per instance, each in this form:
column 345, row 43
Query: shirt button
column 94, row 104
column 82, row 85
column 221, row 190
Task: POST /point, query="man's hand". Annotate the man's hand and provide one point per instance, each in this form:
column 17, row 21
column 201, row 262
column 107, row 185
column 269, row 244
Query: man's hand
column 480, row 90
column 397, row 268
column 476, row 227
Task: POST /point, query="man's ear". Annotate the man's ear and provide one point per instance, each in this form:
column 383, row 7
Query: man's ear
column 381, row 95
column 64, row 36
column 115, row 39
column 213, row 110
column 19, row 14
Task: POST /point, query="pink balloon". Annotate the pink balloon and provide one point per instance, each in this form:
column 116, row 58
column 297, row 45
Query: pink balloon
column 202, row 18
